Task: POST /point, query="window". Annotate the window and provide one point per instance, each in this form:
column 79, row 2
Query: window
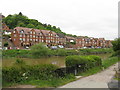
column 33, row 32
column 20, row 35
column 30, row 35
column 42, row 40
column 30, row 39
column 13, row 31
column 33, row 39
column 23, row 39
column 14, row 39
column 34, row 36
column 27, row 39
column 20, row 39
column 14, row 35
column 40, row 33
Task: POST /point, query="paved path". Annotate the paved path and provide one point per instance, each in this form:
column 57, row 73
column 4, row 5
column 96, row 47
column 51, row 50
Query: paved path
column 98, row 80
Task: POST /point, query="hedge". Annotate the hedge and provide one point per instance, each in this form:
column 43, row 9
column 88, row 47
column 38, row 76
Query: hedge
column 17, row 74
column 82, row 63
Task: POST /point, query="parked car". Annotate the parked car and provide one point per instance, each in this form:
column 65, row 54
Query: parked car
column 54, row 47
column 60, row 46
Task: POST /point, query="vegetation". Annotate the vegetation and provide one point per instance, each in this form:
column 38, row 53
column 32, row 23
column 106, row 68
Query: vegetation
column 48, row 75
column 116, row 44
column 96, row 51
column 105, row 64
column 116, row 47
column 40, row 75
column 21, row 20
column 16, row 53
column 39, row 50
column 83, row 63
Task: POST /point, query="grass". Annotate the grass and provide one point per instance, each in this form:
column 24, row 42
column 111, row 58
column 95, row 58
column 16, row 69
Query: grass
column 55, row 82
column 91, row 71
column 51, row 83
column 110, row 61
column 105, row 63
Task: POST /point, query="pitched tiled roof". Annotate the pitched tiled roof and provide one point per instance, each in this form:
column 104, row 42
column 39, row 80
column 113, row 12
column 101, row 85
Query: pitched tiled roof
column 68, row 37
column 26, row 30
column 61, row 35
column 45, row 32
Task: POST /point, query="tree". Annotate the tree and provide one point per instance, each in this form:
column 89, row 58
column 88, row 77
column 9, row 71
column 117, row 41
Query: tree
column 116, row 44
column 30, row 26
column 39, row 50
column 20, row 13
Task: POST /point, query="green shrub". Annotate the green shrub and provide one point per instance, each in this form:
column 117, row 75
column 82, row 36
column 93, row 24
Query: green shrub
column 18, row 74
column 15, row 53
column 83, row 62
column 39, row 50
column 61, row 52
column 96, row 51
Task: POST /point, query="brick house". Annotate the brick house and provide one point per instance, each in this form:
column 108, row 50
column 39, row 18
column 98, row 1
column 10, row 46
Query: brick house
column 22, row 37
column 70, row 40
column 108, row 44
column 50, row 38
column 80, row 42
column 62, row 39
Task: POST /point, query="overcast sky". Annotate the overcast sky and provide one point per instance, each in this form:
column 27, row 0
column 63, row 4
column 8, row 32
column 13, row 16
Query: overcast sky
column 93, row 18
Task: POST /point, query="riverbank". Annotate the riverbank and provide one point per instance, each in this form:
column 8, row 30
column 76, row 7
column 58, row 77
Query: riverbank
column 51, row 53
column 56, row 60
column 55, row 82
column 99, row 80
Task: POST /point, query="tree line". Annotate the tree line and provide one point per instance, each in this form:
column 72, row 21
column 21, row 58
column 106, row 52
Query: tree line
column 20, row 20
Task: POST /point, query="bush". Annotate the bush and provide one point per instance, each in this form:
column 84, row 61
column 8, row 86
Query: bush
column 61, row 52
column 96, row 51
column 82, row 63
column 116, row 44
column 18, row 74
column 39, row 50
column 15, row 53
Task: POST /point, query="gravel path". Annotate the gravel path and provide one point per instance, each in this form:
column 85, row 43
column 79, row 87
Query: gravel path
column 98, row 80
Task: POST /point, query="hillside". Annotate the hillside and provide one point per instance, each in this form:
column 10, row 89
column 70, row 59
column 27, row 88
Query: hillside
column 21, row 20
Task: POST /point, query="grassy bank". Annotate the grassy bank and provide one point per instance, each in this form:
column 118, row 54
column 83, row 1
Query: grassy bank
column 105, row 64
column 45, row 52
column 45, row 75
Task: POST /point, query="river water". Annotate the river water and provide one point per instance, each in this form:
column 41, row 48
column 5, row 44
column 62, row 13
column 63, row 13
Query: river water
column 59, row 61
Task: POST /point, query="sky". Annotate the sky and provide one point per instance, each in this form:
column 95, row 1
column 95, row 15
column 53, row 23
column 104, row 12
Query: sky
column 93, row 18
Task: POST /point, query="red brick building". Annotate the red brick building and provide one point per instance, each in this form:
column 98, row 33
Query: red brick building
column 23, row 37
column 92, row 42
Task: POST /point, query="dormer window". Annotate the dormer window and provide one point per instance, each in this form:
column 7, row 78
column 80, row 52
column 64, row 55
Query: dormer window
column 31, row 32
column 40, row 33
column 57, row 36
column 21, row 31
